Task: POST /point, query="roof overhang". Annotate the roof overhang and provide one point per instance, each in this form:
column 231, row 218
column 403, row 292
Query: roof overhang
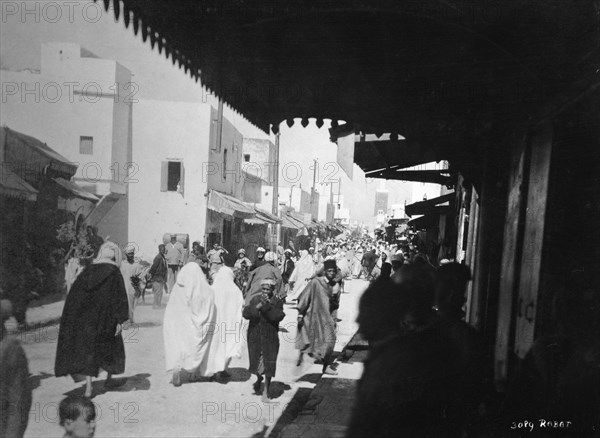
column 229, row 206
column 76, row 190
column 34, row 156
column 428, row 206
column 443, row 69
column 444, row 177
column 13, row 186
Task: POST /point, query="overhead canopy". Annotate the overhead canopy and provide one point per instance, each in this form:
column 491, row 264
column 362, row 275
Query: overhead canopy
column 102, row 207
column 230, row 206
column 291, row 223
column 13, row 186
column 443, row 74
column 424, row 222
column 76, row 190
column 35, row 157
column 424, row 207
column 262, row 218
column 395, row 154
column 444, row 177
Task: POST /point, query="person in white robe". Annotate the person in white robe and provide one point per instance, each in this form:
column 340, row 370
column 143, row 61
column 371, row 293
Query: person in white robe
column 189, row 326
column 228, row 335
column 357, row 266
column 304, row 270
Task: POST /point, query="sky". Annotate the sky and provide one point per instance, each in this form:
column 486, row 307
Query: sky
column 24, row 26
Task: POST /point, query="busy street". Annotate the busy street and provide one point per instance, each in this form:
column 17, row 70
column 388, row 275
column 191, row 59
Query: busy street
column 292, row 218
column 149, row 405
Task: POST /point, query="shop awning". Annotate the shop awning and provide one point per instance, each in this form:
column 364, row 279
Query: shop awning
column 444, row 177
column 262, row 218
column 230, row 206
column 290, row 222
column 424, row 222
column 13, row 186
column 35, row 157
column 424, row 207
column 76, row 190
column 377, row 155
column 102, row 207
column 267, row 217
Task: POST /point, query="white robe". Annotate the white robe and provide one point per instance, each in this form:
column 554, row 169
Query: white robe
column 342, row 264
column 189, row 324
column 303, row 270
column 229, row 302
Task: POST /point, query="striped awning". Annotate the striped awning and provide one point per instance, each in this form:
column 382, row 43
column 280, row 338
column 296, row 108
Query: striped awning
column 230, row 206
column 13, row 186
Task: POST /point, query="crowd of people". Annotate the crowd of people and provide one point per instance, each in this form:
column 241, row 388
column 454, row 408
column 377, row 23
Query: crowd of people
column 427, row 370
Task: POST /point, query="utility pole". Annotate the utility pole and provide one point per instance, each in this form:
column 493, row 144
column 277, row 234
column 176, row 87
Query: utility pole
column 275, row 203
column 312, row 191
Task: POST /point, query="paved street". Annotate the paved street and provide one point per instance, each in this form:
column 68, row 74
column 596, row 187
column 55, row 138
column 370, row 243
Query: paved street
column 148, row 405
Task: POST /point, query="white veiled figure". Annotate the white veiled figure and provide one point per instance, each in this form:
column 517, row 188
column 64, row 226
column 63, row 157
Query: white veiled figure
column 189, row 324
column 342, row 264
column 304, row 269
column 228, row 336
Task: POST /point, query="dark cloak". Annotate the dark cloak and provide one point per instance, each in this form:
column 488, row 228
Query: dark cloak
column 316, row 331
column 95, row 305
column 263, row 334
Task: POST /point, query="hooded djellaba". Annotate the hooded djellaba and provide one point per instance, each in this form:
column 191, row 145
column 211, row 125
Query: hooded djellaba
column 316, row 326
column 189, row 327
column 90, row 327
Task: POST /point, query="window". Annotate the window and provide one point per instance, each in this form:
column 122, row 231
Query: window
column 172, row 176
column 225, row 164
column 246, row 157
column 86, row 145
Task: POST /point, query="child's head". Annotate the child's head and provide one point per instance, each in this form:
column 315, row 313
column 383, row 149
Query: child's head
column 78, row 416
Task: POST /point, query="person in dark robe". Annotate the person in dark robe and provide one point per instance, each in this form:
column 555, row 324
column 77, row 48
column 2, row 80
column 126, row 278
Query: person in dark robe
column 90, row 338
column 264, row 311
column 379, row 311
column 451, row 281
column 316, row 325
column 286, row 270
column 409, row 381
column 158, row 275
column 264, row 269
column 15, row 391
column 369, row 262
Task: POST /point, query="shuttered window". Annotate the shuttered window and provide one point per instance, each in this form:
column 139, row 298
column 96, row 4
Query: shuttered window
column 86, row 145
column 171, row 176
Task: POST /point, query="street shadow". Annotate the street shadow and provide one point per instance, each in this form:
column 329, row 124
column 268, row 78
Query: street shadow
column 310, row 378
column 277, row 389
column 36, row 381
column 236, row 375
column 291, row 412
column 138, row 382
column 283, row 330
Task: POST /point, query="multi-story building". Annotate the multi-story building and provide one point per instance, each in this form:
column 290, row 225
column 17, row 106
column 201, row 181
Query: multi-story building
column 82, row 105
column 158, row 167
